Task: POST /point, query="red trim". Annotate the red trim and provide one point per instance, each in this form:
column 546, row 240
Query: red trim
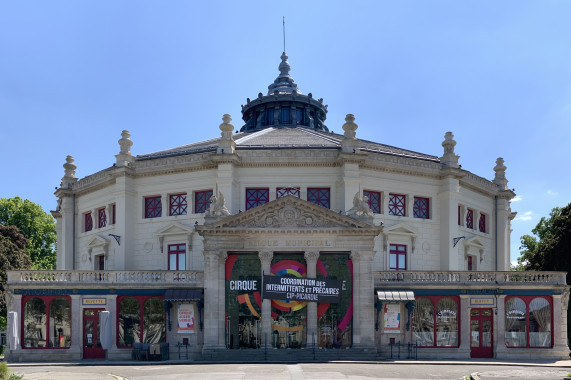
column 256, row 197
column 88, row 222
column 434, row 300
column 374, row 200
column 101, row 218
column 202, row 201
column 397, row 204
column 141, row 300
column 113, row 212
column 421, row 208
column 395, row 249
column 153, row 207
column 177, row 204
column 177, row 249
column 482, row 223
column 470, row 219
column 459, row 215
column 482, row 352
column 47, row 301
column 527, row 300
column 283, row 191
column 470, row 259
column 320, row 196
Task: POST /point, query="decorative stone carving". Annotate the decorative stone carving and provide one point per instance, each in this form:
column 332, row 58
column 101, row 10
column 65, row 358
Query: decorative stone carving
column 124, row 158
column 226, row 144
column 69, row 177
column 266, row 257
column 349, row 142
column 360, row 206
column 565, row 298
column 449, row 159
column 311, row 256
column 289, row 216
column 500, row 177
column 217, row 206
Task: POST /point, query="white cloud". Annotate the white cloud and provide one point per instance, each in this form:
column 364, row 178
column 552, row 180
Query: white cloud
column 525, row 216
column 552, row 193
column 517, row 198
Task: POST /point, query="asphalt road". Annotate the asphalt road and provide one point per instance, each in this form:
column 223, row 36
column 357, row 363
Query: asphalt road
column 313, row 371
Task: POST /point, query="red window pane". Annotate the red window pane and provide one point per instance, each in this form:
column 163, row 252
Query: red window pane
column 397, row 257
column 374, row 200
column 178, row 204
column 470, row 219
column 421, row 208
column 88, row 222
column 470, row 263
column 177, row 257
column 256, row 197
column 101, row 262
column 153, row 207
column 113, row 217
column 202, row 201
column 482, row 223
column 102, row 217
column 397, row 204
column 283, row 191
column 459, row 215
column 318, row 196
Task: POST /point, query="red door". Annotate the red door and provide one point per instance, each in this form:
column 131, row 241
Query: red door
column 91, row 342
column 481, row 333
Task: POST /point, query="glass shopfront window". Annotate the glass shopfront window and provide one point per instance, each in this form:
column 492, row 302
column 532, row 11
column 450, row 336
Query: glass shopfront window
column 335, row 320
column 243, row 301
column 46, row 322
column 289, row 318
column 528, row 322
column 435, row 322
column 134, row 309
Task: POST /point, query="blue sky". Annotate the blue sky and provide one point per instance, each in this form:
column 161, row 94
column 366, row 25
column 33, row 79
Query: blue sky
column 74, row 74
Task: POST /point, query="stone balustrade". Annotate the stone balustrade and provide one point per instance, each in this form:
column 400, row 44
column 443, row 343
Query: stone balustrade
column 64, row 277
column 469, row 277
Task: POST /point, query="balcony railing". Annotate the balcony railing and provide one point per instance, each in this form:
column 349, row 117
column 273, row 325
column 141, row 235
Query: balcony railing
column 64, row 277
column 469, row 277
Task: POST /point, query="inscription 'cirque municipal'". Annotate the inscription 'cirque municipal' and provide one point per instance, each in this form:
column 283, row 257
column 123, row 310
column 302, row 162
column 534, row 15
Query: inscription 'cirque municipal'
column 289, row 243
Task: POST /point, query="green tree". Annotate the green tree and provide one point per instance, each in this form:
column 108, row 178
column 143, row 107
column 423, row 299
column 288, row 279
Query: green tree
column 36, row 225
column 13, row 256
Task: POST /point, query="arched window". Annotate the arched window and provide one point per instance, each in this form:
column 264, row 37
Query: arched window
column 46, row 322
column 529, row 321
column 435, row 322
column 140, row 319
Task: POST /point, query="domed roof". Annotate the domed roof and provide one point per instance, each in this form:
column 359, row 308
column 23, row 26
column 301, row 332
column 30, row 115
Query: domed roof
column 284, row 83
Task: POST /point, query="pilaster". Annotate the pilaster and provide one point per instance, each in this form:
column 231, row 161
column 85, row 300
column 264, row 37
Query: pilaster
column 212, row 316
column 356, row 260
column 500, row 349
column 366, row 297
column 448, row 200
column 266, row 260
column 311, row 258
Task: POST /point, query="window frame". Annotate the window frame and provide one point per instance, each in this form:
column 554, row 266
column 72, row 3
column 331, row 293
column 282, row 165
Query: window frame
column 470, row 218
column 482, row 226
column 418, row 211
column 396, row 252
column 87, row 222
column 201, row 205
column 178, row 251
column 434, row 300
column 527, row 300
column 283, row 191
column 397, row 208
column 141, row 299
column 47, row 302
column 153, row 210
column 113, row 214
column 180, row 204
column 101, row 217
column 374, row 200
column 320, row 198
column 259, row 199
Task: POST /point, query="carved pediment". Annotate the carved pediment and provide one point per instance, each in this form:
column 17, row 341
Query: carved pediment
column 288, row 212
column 175, row 229
column 473, row 246
column 400, row 229
column 98, row 244
column 474, row 242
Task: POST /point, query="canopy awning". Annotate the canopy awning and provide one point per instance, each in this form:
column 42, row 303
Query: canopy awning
column 183, row 295
column 393, row 295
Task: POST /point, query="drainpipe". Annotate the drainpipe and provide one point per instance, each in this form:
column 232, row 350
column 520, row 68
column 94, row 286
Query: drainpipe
column 496, row 228
column 74, row 219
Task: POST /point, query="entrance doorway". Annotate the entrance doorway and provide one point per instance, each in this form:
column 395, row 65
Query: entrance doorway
column 91, row 335
column 481, row 333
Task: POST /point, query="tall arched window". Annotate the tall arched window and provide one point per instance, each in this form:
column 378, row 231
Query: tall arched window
column 528, row 321
column 46, row 322
column 435, row 322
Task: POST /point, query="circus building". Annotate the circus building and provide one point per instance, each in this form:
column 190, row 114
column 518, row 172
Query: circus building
column 285, row 241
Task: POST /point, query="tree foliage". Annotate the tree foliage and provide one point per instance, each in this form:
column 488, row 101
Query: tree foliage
column 550, row 247
column 36, row 225
column 13, row 256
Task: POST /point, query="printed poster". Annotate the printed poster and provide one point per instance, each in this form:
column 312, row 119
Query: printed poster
column 185, row 318
column 391, row 318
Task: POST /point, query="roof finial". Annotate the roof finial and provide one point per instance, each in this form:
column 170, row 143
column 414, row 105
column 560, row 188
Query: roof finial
column 284, row 31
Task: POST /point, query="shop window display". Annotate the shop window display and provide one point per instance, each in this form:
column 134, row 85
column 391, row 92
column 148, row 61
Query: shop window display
column 133, row 310
column 46, row 322
column 435, row 322
column 528, row 322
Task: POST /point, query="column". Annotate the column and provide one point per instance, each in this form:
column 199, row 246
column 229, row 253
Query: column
column 448, row 199
column 221, row 285
column 212, row 317
column 500, row 349
column 266, row 259
column 503, row 210
column 76, row 327
column 311, row 262
column 464, row 325
column 356, row 304
column 366, row 298
column 65, row 259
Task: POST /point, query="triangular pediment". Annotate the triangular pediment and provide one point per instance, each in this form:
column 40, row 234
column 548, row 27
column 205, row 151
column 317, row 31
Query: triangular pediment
column 174, row 228
column 97, row 241
column 474, row 242
column 288, row 212
column 400, row 229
